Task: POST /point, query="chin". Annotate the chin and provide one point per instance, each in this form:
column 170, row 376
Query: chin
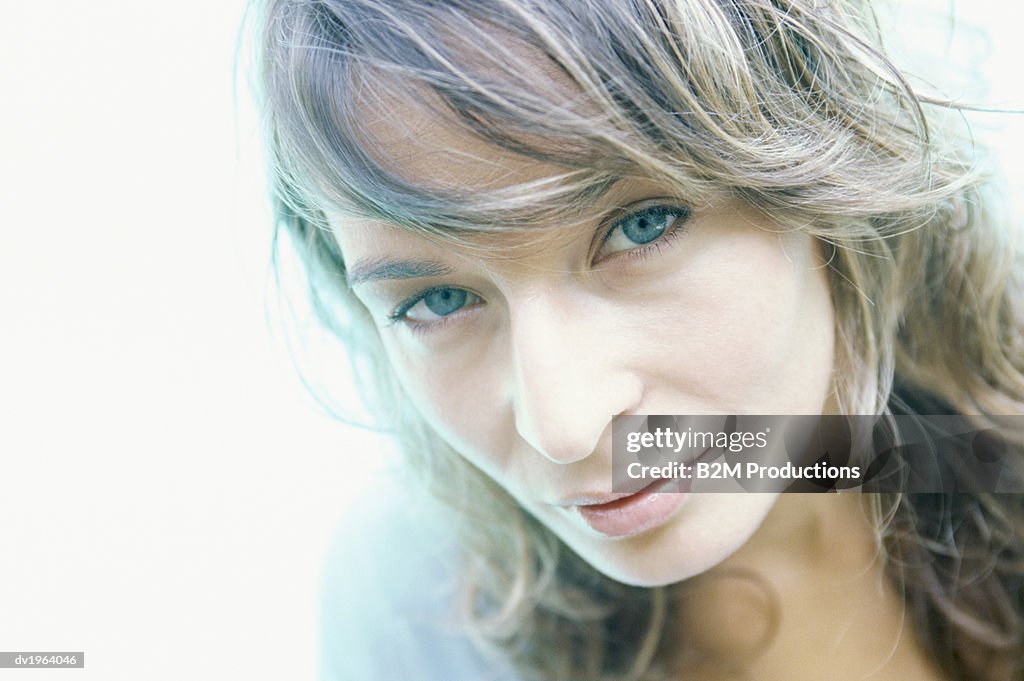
column 706, row 531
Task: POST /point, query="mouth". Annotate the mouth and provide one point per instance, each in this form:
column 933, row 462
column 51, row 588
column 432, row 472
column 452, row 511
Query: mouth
column 630, row 514
column 626, row 514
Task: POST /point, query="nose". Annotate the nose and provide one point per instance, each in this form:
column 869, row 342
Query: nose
column 569, row 380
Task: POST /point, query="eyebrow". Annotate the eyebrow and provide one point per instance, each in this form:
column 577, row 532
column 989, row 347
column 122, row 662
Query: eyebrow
column 378, row 269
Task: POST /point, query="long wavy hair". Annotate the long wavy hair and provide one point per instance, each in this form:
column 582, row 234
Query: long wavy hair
column 789, row 105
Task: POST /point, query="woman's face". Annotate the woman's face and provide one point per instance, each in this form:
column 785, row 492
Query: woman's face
column 646, row 305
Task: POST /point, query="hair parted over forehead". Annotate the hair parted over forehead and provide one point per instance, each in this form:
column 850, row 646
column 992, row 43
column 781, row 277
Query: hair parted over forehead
column 789, row 105
column 786, row 105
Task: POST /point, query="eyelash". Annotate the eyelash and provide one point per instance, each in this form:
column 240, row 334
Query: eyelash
column 427, row 327
column 398, row 316
column 640, row 253
column 644, row 251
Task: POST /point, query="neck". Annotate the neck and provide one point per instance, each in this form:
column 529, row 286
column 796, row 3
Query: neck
column 807, row 598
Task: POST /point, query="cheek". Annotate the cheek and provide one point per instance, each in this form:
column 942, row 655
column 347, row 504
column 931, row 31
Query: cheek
column 748, row 327
column 456, row 395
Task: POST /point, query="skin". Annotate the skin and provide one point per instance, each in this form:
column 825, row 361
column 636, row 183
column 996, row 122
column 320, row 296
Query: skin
column 566, row 325
column 563, row 330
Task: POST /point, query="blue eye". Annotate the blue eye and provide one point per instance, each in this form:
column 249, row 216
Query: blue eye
column 444, row 301
column 643, row 227
column 434, row 304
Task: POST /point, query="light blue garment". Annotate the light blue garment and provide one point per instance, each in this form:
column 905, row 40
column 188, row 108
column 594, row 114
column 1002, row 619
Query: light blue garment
column 387, row 602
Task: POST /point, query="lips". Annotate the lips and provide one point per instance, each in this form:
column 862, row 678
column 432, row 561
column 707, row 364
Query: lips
column 631, row 514
column 626, row 514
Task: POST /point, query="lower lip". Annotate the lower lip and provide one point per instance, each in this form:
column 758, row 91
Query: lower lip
column 634, row 514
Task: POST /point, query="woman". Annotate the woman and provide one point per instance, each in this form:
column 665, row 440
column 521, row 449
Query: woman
column 527, row 218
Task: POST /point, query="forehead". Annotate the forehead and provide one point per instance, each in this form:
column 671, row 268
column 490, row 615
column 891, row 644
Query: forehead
column 414, row 133
column 408, row 134
column 440, row 157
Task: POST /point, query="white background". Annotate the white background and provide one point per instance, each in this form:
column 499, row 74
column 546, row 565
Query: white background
column 167, row 488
